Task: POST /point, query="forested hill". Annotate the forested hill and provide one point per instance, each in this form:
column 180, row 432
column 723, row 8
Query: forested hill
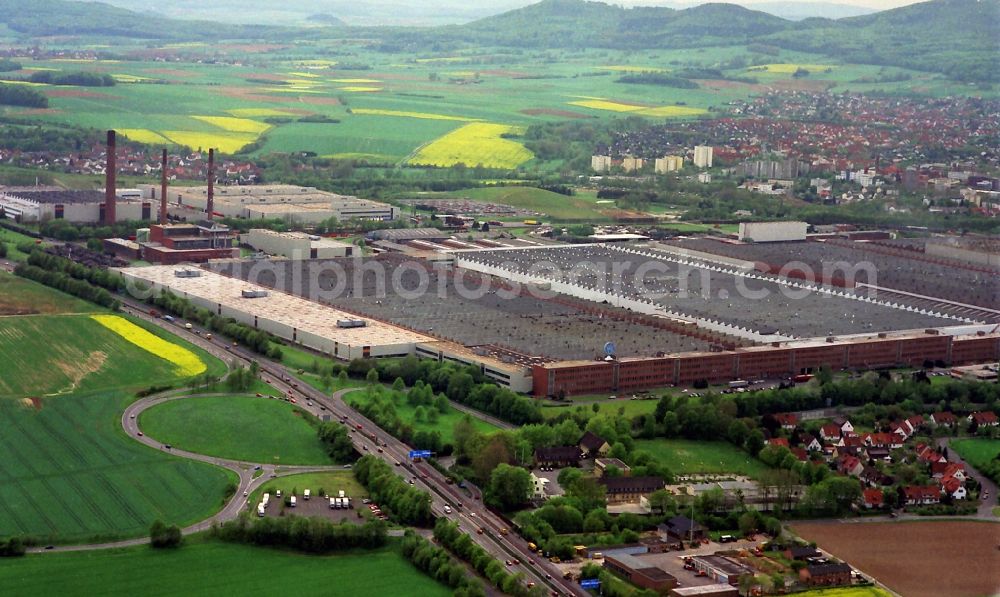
column 960, row 38
column 580, row 24
column 41, row 18
column 956, row 37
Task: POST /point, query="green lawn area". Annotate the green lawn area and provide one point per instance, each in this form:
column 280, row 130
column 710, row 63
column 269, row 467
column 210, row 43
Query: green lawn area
column 444, row 425
column 212, row 568
column 608, row 408
column 687, row 457
column 330, row 481
column 977, row 451
column 554, row 205
column 237, row 427
column 59, row 354
column 12, row 239
column 19, row 296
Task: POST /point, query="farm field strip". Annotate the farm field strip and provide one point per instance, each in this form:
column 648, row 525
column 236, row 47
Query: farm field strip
column 188, row 364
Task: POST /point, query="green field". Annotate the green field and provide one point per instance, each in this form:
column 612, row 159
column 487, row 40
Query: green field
column 70, row 473
column 237, row 427
column 690, row 457
column 553, row 205
column 19, row 296
column 330, row 481
column 12, row 239
column 977, row 451
column 444, row 425
column 608, row 408
column 59, row 354
column 210, row 568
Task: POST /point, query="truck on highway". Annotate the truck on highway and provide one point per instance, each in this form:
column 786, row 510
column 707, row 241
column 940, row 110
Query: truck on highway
column 738, row 383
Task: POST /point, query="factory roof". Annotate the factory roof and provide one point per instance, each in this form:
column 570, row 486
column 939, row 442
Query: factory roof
column 399, row 234
column 277, row 306
column 283, row 208
column 316, row 241
column 58, row 196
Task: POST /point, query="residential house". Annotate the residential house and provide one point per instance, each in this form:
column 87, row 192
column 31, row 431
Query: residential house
column 882, row 440
column 787, row 421
column 593, row 445
column 850, row 465
column 800, row 454
column 802, row 552
column 682, row 528
column 601, row 465
column 945, row 419
column 929, row 454
column 953, row 487
column 780, row 442
column 844, row 424
column 538, row 486
column 826, row 575
column 809, row 442
column 984, row 419
column 558, row 456
column 900, row 429
column 872, row 498
column 914, row 423
column 872, row 477
column 920, row 495
column 830, row 432
column 630, row 490
column 878, row 453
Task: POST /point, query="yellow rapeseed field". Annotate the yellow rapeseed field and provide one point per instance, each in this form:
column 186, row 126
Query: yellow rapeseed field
column 422, row 115
column 188, row 364
column 789, row 68
column 360, row 89
column 234, row 125
column 355, row 80
column 257, row 112
column 655, row 112
column 143, row 136
column 477, row 143
column 224, row 142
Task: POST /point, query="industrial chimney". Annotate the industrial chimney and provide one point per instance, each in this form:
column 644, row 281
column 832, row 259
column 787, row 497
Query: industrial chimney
column 210, row 208
column 163, row 189
column 110, row 181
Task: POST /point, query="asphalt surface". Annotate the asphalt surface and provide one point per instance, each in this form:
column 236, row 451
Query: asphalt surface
column 466, row 505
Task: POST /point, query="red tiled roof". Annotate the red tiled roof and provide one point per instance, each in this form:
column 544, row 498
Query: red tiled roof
column 873, row 497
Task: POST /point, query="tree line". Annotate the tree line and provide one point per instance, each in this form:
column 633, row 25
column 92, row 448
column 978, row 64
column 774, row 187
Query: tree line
column 403, row 502
column 308, row 534
column 336, row 441
column 60, row 281
column 457, row 542
column 78, row 78
column 436, row 563
column 21, row 95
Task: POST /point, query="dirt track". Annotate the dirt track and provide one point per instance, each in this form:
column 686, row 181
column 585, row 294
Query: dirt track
column 917, row 559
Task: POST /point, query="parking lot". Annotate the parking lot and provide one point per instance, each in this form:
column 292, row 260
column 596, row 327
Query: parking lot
column 315, row 506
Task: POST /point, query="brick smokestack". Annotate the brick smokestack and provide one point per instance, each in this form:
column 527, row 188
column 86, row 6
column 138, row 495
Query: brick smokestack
column 110, row 181
column 210, row 208
column 163, row 189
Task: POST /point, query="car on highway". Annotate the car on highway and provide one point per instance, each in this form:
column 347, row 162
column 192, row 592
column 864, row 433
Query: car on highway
column 132, row 417
column 380, row 450
column 480, row 531
column 139, row 434
column 347, row 466
column 398, row 463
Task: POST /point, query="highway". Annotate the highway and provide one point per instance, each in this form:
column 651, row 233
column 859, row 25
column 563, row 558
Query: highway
column 469, row 512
